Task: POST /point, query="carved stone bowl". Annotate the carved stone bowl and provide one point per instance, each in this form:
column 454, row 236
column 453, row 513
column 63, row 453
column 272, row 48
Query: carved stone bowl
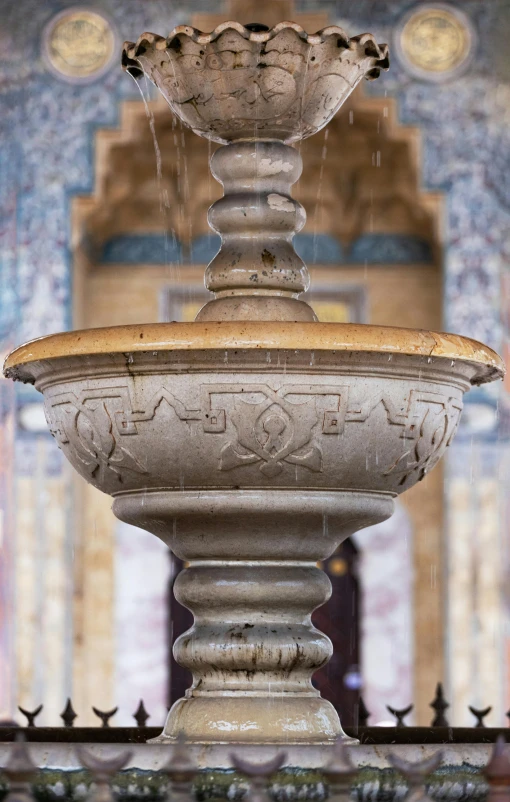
column 238, row 405
column 253, row 450
column 249, row 82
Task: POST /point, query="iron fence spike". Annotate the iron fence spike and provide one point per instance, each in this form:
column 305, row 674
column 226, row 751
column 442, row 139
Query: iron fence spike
column 141, row 716
column 68, row 715
column 400, row 714
column 181, row 770
column 416, row 774
column 258, row 774
column 102, row 771
column 20, row 771
column 363, row 713
column 440, row 705
column 30, row 716
column 258, row 769
column 480, row 715
column 339, row 773
column 105, row 716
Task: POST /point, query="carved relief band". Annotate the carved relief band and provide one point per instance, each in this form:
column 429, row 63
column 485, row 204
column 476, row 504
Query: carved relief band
column 261, row 426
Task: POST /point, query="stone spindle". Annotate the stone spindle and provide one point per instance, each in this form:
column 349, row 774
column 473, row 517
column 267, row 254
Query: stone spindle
column 257, row 274
column 259, row 774
column 102, row 772
column 340, row 774
column 181, row 771
column 20, row 772
column 416, row 775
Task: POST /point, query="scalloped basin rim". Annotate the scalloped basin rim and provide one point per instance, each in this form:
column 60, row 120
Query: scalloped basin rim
column 202, row 37
column 256, row 335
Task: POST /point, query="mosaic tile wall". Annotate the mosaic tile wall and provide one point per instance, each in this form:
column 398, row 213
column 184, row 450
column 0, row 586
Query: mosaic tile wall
column 47, row 144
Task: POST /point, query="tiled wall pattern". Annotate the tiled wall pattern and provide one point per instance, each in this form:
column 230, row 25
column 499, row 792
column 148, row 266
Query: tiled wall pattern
column 47, row 133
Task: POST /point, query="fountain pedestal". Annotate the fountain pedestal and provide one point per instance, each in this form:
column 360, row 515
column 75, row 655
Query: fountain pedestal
column 252, row 583
column 253, row 460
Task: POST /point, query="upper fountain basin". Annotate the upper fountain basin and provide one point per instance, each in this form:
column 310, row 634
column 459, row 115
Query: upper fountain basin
column 242, row 82
column 225, row 406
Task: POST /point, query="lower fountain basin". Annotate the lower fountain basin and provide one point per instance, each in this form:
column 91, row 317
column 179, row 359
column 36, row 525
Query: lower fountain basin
column 253, row 450
column 233, row 406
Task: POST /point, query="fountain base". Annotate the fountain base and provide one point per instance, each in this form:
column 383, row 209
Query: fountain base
column 252, row 450
column 252, row 582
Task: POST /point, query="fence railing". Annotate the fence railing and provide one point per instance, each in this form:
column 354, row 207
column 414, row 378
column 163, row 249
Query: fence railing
column 439, row 731
column 340, row 775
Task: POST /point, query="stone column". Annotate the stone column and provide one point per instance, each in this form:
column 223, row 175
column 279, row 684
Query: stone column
column 257, row 274
column 252, row 585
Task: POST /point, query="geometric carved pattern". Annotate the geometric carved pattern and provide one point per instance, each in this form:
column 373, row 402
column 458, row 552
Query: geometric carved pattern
column 430, row 427
column 270, row 427
column 277, row 426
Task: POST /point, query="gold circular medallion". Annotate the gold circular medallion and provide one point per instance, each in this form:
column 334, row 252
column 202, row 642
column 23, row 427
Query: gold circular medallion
column 435, row 42
column 79, row 44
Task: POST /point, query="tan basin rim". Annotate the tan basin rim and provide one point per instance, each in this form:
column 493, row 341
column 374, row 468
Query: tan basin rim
column 261, row 335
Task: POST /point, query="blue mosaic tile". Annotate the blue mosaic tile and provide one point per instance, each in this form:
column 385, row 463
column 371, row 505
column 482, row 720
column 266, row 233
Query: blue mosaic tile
column 149, row 249
column 318, row 249
column 398, row 249
column 204, row 248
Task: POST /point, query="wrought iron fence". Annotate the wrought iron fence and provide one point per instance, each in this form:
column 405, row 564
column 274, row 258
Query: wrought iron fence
column 439, row 731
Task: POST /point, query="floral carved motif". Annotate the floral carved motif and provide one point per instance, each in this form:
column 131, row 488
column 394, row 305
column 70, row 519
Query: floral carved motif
column 264, row 427
column 430, row 426
column 276, row 427
column 87, row 425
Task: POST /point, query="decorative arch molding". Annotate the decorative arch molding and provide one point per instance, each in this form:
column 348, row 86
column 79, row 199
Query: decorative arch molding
column 365, row 209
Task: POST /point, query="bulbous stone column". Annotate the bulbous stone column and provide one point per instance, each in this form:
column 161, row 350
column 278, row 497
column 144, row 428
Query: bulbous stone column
column 257, row 274
column 252, row 583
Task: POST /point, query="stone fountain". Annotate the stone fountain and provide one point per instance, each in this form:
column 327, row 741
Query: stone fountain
column 256, row 439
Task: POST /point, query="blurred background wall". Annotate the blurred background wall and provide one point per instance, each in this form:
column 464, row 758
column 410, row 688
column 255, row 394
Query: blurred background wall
column 408, row 224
